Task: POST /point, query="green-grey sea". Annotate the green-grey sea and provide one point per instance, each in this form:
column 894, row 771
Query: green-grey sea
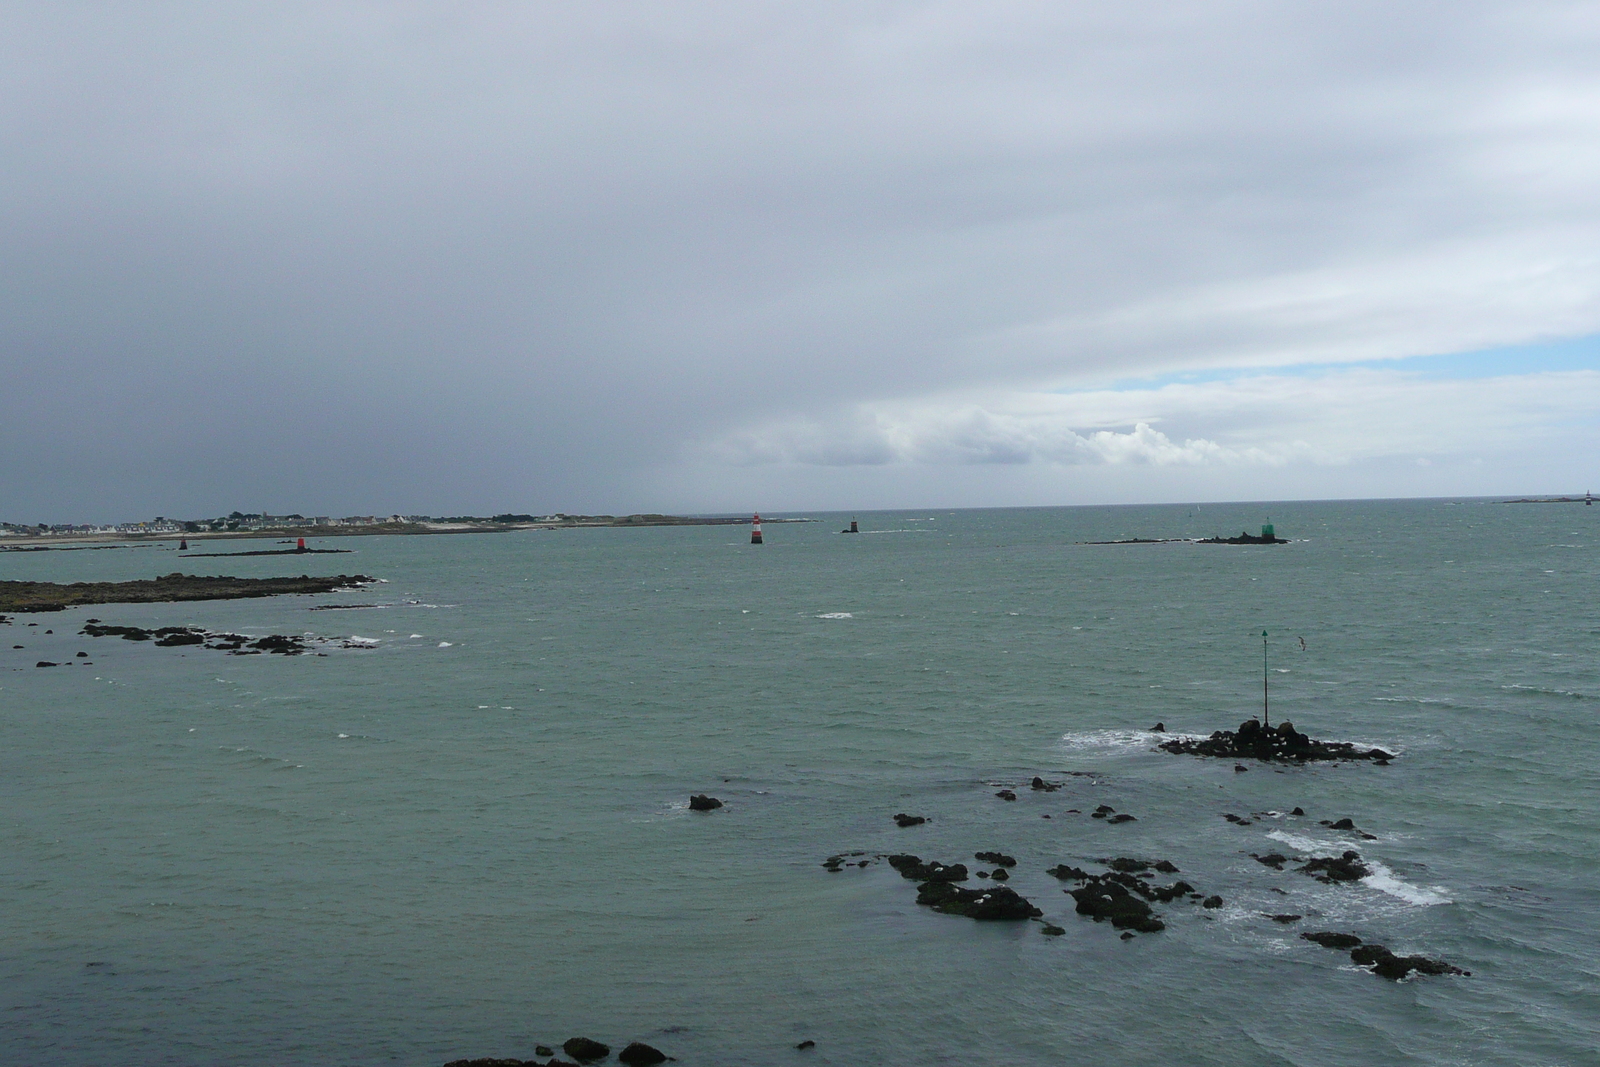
column 470, row 835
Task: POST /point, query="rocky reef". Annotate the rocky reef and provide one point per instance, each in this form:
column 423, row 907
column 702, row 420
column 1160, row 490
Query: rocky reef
column 1282, row 743
column 1384, row 964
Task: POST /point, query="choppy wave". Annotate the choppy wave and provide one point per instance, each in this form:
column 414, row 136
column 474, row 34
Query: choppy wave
column 835, row 615
column 1382, row 877
column 1127, row 740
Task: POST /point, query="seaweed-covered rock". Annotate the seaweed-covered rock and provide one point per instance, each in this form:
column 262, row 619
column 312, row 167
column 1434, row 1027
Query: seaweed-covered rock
column 995, row 904
column 1282, row 742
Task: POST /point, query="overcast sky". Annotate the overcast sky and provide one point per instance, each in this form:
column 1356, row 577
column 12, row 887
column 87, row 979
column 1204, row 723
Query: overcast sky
column 474, row 257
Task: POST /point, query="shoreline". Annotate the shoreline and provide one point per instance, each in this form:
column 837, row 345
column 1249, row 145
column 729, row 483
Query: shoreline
column 34, row 542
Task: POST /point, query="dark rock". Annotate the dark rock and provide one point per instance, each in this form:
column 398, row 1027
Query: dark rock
column 585, row 1050
column 701, row 802
column 1297, row 811
column 1239, row 768
column 1102, row 899
column 802, row 1046
column 639, row 1054
column 1159, row 728
column 1342, row 824
column 901, row 819
column 1387, row 965
column 46, row 663
column 1127, row 937
column 1051, row 930
column 1067, row 874
column 1097, row 815
column 1044, row 786
column 543, row 1050
column 1001, row 875
column 1274, row 860
column 1104, row 809
column 1345, row 868
column 1122, row 818
column 1330, row 939
column 1006, row 794
column 1286, row 918
column 493, row 1061
column 1165, row 866
column 981, row 874
column 913, row 868
column 1211, row 902
column 999, row 859
column 996, row 904
column 172, row 636
column 83, row 655
column 1281, row 743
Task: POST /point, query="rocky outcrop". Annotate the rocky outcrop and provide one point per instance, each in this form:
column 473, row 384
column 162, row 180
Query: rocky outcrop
column 999, row 859
column 1345, row 868
column 995, row 904
column 1384, row 963
column 903, row 820
column 913, row 868
column 639, row 1054
column 585, row 1050
column 701, row 802
column 1278, row 743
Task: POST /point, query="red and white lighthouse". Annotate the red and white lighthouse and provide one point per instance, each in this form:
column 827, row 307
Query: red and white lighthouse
column 755, row 530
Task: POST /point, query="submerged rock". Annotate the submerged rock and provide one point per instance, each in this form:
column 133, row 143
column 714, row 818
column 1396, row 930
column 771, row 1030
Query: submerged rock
column 1275, row 860
column 1067, row 874
column 1006, row 794
column 903, row 820
column 1282, row 742
column 1044, row 786
column 1330, row 939
column 999, row 859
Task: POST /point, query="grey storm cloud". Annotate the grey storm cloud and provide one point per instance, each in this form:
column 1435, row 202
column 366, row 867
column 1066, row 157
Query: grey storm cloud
column 442, row 257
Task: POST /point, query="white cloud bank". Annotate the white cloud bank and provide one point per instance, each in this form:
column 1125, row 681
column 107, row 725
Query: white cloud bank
column 1328, row 419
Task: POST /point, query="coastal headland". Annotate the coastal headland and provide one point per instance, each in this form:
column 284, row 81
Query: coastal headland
column 22, row 597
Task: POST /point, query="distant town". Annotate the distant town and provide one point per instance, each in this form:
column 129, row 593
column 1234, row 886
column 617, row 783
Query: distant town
column 245, row 524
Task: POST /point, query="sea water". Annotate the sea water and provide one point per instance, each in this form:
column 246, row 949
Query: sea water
column 471, row 835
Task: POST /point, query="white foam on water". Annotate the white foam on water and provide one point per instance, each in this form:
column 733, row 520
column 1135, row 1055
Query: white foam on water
column 1382, row 878
column 363, row 640
column 1080, row 740
column 836, row 615
column 415, row 636
column 444, row 644
column 343, row 736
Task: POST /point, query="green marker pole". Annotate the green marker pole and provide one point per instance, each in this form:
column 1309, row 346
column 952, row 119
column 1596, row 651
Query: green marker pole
column 1264, row 721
